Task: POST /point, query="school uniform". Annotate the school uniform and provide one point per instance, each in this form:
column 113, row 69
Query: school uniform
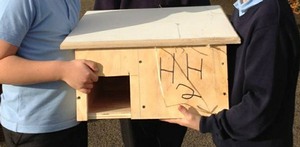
column 263, row 73
column 42, row 114
column 130, row 4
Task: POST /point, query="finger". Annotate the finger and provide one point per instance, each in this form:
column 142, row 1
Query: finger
column 183, row 110
column 92, row 65
column 174, row 121
column 94, row 77
column 88, row 86
column 86, row 91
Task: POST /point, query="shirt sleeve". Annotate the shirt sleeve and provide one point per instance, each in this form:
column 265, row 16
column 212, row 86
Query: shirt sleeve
column 16, row 17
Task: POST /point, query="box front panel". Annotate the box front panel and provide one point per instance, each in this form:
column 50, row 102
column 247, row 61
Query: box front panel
column 195, row 77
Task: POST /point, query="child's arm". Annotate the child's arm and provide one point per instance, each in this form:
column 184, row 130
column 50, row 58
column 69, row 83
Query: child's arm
column 79, row 74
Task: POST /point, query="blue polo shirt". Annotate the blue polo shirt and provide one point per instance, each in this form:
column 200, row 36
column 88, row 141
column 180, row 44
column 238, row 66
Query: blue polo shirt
column 38, row 27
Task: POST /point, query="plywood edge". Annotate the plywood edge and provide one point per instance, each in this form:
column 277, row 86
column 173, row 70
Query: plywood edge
column 111, row 114
column 81, row 106
column 148, row 43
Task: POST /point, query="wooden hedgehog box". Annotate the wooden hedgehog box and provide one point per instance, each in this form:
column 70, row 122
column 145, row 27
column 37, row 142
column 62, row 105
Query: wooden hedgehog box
column 152, row 60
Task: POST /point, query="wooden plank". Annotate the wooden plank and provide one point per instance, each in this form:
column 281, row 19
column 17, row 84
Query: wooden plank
column 109, row 107
column 193, row 76
column 165, row 27
column 135, row 103
column 152, row 93
column 110, row 98
column 112, row 62
column 221, row 78
column 81, row 106
column 163, row 79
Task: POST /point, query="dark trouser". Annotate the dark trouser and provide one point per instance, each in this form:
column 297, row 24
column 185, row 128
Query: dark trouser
column 151, row 133
column 72, row 137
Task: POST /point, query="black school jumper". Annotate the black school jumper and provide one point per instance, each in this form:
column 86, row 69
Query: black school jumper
column 129, row 4
column 263, row 73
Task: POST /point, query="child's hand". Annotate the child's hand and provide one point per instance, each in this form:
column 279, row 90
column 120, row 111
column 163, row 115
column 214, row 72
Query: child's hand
column 190, row 118
column 81, row 74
